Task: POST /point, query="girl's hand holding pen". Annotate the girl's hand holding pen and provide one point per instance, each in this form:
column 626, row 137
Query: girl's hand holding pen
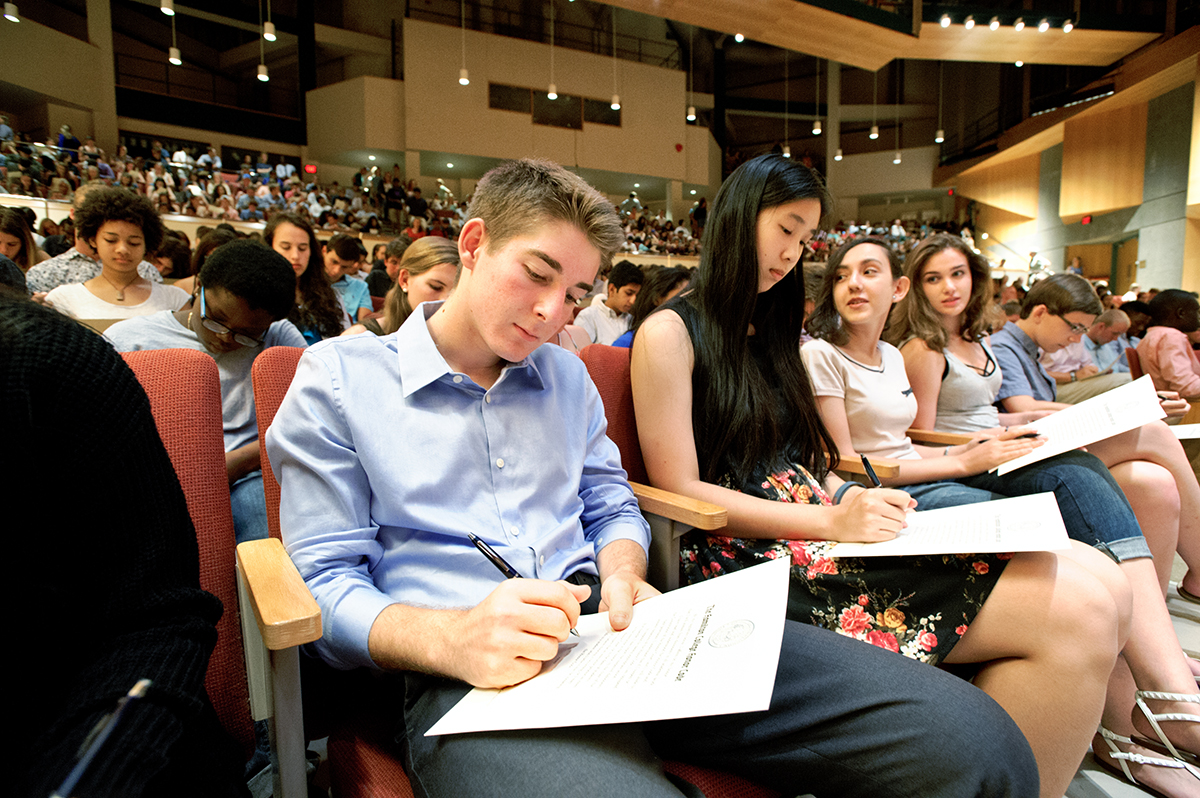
column 873, row 514
column 985, row 454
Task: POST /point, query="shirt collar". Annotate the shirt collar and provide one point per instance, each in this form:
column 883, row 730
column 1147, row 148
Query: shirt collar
column 1024, row 340
column 421, row 363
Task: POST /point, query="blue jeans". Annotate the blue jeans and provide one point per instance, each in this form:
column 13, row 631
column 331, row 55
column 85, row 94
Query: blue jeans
column 249, row 508
column 846, row 719
column 1093, row 508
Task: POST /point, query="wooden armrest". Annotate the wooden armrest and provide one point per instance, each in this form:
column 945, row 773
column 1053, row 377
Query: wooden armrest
column 935, row 438
column 692, row 512
column 286, row 613
column 853, row 465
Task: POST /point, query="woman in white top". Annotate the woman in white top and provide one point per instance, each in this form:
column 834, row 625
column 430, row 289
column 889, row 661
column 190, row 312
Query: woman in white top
column 121, row 227
column 942, row 328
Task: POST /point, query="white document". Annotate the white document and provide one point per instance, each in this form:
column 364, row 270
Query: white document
column 663, row 666
column 1100, row 417
column 1186, row 432
column 1022, row 523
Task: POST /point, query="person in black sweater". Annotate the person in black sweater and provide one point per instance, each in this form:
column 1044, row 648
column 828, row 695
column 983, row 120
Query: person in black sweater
column 107, row 566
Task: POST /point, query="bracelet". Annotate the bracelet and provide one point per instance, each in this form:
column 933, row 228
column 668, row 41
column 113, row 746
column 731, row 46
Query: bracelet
column 837, row 494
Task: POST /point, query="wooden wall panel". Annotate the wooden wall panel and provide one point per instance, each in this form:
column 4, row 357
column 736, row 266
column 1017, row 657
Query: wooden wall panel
column 1193, row 194
column 1104, row 162
column 1003, row 229
column 1011, row 186
column 1127, row 255
column 1191, row 256
column 1096, row 259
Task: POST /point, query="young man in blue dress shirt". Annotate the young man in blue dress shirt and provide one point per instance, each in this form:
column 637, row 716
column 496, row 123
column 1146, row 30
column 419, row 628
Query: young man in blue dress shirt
column 390, row 449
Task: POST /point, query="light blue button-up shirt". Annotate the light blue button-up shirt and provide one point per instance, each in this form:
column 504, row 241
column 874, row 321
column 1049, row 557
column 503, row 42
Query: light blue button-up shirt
column 387, row 458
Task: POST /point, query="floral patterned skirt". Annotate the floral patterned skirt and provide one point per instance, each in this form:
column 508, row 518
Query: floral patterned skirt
column 918, row 606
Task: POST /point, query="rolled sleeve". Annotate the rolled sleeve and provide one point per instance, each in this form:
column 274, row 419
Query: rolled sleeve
column 325, row 512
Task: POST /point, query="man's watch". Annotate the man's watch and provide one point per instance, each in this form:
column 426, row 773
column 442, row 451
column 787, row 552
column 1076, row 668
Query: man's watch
column 1072, row 376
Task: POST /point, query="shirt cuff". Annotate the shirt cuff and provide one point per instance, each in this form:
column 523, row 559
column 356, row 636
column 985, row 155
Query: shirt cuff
column 346, row 641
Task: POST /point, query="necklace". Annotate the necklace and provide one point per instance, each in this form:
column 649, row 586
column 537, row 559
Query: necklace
column 120, row 289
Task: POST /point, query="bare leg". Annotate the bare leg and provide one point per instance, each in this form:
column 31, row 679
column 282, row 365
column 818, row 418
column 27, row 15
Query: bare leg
column 1047, row 637
column 1154, row 498
column 1156, row 443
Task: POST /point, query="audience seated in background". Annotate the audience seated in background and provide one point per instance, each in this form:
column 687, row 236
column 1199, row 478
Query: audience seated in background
column 1166, row 352
column 342, row 254
column 1075, row 368
column 605, row 321
column 244, row 293
column 118, row 592
column 318, row 312
column 662, row 284
column 385, row 270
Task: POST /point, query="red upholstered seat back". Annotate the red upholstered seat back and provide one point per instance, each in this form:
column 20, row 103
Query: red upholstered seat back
column 185, row 397
column 272, row 374
column 1135, row 363
column 609, row 369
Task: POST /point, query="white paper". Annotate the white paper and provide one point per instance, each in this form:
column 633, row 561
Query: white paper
column 1111, row 413
column 1186, row 432
column 663, row 666
column 1022, row 523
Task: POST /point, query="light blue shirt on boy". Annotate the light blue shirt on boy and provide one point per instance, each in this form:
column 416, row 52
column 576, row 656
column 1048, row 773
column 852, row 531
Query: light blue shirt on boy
column 387, row 458
column 354, row 295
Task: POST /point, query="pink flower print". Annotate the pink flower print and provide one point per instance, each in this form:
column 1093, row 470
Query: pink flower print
column 980, row 567
column 800, row 555
column 863, row 600
column 960, row 630
column 822, row 566
column 927, row 640
column 853, row 620
column 883, row 640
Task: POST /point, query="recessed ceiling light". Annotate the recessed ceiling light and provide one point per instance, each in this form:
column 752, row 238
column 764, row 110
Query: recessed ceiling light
column 370, row 157
column 1020, row 63
column 944, row 21
column 693, row 192
column 737, row 37
column 637, row 185
column 449, row 166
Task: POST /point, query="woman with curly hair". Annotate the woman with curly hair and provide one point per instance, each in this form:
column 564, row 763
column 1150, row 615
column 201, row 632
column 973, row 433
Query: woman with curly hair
column 121, row 227
column 318, row 312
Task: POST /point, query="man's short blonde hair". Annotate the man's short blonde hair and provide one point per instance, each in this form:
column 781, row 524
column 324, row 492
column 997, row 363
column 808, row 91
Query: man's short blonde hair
column 517, row 196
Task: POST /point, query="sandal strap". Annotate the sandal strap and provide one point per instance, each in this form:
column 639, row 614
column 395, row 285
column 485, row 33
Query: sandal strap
column 1190, row 698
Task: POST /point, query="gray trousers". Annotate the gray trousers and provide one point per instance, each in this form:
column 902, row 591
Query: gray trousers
column 846, row 719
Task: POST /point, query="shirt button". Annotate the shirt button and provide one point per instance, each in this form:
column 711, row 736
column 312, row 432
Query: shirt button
column 458, row 378
column 542, row 560
column 515, row 532
column 499, row 462
column 487, row 399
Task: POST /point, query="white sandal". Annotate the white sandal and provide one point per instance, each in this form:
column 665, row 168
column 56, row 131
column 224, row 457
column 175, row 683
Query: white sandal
column 1163, row 744
column 1122, row 758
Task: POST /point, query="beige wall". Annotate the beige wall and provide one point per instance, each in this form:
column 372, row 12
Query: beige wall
column 443, row 116
column 874, row 173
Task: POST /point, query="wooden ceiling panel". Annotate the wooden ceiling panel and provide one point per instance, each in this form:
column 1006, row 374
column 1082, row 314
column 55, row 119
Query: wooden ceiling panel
column 803, row 28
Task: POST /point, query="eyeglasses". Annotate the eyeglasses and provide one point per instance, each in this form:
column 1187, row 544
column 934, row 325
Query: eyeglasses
column 1076, row 329
column 220, row 329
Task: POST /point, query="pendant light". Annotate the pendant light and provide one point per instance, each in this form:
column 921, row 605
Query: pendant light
column 268, row 30
column 552, row 90
column 262, row 53
column 173, row 55
column 167, row 7
column 874, row 134
column 691, row 110
column 463, row 78
column 616, row 98
column 11, row 13
column 896, row 158
column 816, row 128
column 941, row 133
column 787, row 149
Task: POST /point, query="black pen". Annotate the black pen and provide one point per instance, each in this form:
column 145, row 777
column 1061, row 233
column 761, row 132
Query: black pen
column 97, row 736
column 498, row 561
column 871, row 471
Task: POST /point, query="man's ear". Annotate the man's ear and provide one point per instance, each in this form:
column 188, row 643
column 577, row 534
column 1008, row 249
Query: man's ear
column 471, row 241
column 1038, row 313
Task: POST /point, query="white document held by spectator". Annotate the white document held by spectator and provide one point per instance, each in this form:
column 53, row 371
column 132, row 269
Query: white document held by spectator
column 678, row 645
column 1022, row 523
column 1111, row 413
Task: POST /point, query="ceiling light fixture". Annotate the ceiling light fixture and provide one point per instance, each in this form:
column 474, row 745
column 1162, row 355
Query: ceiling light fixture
column 787, row 150
column 1020, row 63
column 875, row 108
column 464, row 79
column 994, row 24
column 899, row 82
column 262, row 58
column 268, row 30
column 10, row 12
column 1068, row 26
column 167, row 7
column 837, row 156
column 816, row 128
column 173, row 55
column 262, row 73
column 1044, row 25
column 1019, row 25
column 940, row 136
column 944, row 21
column 970, row 22
column 691, row 109
column 616, row 98
column 552, row 91
column 896, row 157
column 739, row 38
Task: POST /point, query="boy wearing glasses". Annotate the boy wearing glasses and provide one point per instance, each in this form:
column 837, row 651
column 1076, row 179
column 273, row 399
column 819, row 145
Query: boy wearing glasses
column 243, row 295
